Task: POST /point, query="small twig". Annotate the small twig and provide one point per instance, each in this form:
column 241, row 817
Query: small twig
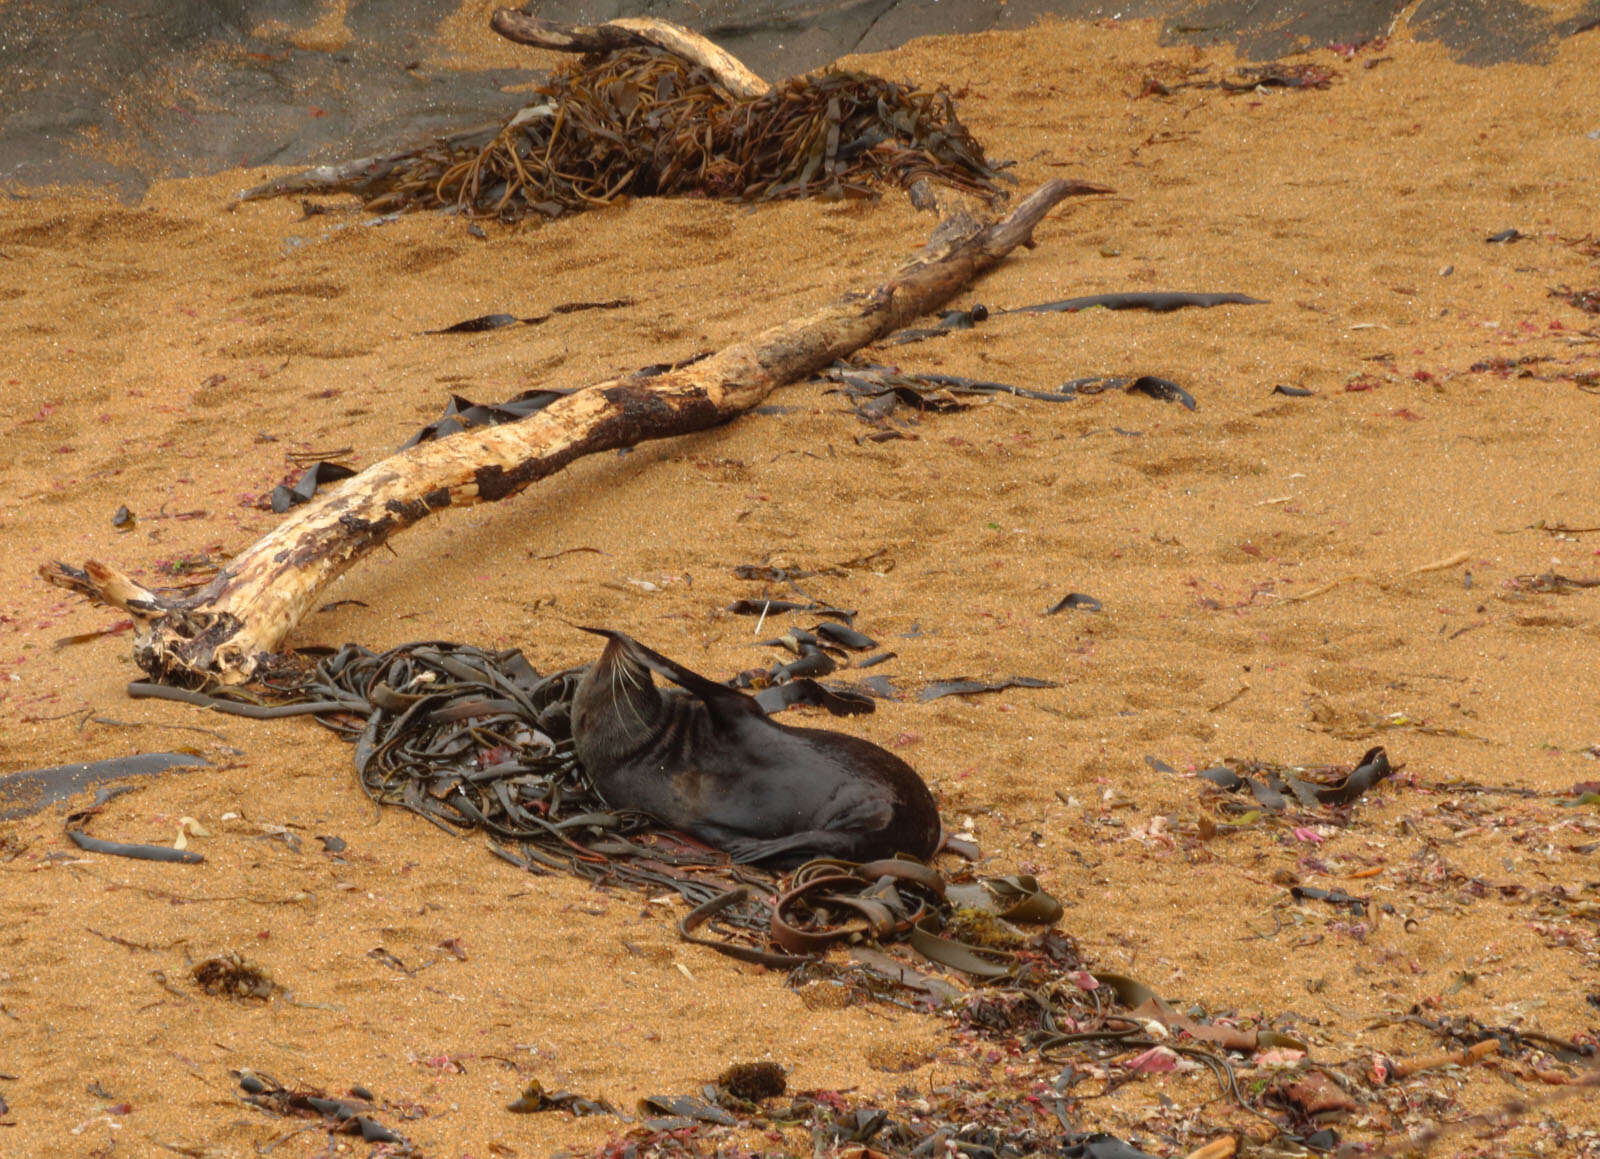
column 1221, row 704
column 1445, row 564
column 106, row 720
column 56, row 716
column 1318, row 591
column 1477, row 1052
column 568, row 551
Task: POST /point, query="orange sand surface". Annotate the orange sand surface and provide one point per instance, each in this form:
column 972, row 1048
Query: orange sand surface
column 1264, row 565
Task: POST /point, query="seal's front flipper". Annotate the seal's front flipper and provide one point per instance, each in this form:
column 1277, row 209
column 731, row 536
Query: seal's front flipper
column 798, row 848
column 719, row 698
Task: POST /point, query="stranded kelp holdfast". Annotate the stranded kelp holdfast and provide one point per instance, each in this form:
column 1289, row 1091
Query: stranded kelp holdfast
column 654, row 110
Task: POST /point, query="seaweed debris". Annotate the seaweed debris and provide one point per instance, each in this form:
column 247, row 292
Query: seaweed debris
column 642, row 122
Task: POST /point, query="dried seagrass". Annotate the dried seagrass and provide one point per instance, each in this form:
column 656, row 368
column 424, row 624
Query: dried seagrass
column 645, row 122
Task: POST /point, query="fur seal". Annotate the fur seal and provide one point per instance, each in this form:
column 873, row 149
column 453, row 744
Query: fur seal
column 710, row 762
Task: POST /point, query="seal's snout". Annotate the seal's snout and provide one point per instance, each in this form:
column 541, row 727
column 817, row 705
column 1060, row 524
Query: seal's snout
column 616, row 709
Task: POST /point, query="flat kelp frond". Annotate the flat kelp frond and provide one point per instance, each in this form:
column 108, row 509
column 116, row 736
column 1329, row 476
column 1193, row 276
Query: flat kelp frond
column 644, row 122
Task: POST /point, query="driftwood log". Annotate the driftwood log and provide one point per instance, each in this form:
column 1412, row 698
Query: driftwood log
column 630, row 32
column 228, row 631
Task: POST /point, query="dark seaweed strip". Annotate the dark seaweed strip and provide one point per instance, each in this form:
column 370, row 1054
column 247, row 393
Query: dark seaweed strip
column 978, row 386
column 138, row 852
column 1223, row 776
column 314, row 476
column 841, row 701
column 478, row 325
column 1161, row 388
column 769, row 607
column 964, row 687
column 1076, row 601
column 845, row 636
column 1336, row 897
column 26, row 792
column 142, row 689
column 1156, row 301
column 76, row 821
column 1373, row 767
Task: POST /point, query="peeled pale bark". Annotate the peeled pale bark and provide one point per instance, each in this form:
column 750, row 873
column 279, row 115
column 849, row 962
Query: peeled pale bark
column 229, row 630
column 631, row 32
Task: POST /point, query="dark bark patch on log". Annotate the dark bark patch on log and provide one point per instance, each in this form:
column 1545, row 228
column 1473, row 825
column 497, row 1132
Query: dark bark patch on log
column 494, row 482
column 409, row 510
column 437, row 499
column 357, row 527
column 351, row 535
column 203, row 633
column 633, row 415
column 643, row 412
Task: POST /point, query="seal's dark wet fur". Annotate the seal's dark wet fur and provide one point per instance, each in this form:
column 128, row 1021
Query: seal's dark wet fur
column 710, row 762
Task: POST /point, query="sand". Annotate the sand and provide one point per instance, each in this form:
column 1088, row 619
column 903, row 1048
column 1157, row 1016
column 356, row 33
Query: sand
column 1263, row 564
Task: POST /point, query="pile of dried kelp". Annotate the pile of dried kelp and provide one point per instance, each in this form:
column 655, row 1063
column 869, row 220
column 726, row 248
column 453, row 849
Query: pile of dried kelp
column 476, row 740
column 644, row 122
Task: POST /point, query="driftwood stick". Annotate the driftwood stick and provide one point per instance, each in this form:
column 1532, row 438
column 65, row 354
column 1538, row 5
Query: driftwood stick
column 226, row 631
column 360, row 176
column 630, row 32
column 1406, row 1067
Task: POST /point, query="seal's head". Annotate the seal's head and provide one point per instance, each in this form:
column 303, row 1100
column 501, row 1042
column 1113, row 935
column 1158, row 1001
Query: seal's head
column 617, row 708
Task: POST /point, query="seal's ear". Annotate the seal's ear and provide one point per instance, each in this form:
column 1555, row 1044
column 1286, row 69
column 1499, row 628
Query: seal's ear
column 721, row 700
